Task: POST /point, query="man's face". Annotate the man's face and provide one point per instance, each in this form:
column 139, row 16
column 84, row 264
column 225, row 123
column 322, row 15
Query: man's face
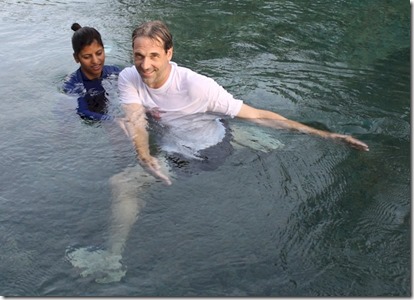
column 151, row 61
column 92, row 60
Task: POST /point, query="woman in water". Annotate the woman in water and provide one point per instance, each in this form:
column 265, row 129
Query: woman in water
column 86, row 82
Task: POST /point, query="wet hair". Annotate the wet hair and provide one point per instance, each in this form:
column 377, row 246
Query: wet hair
column 155, row 30
column 84, row 36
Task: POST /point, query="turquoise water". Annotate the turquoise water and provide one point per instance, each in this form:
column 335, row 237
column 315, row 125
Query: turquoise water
column 311, row 218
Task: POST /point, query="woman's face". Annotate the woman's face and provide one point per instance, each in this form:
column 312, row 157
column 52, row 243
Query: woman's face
column 92, row 60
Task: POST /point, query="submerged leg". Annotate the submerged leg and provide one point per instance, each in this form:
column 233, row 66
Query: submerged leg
column 128, row 191
column 254, row 137
column 128, row 188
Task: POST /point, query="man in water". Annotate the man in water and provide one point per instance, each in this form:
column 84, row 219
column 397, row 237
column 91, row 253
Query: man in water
column 159, row 87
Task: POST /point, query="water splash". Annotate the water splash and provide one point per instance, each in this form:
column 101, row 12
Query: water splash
column 97, row 263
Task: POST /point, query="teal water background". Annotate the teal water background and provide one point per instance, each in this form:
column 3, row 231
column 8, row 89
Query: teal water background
column 313, row 218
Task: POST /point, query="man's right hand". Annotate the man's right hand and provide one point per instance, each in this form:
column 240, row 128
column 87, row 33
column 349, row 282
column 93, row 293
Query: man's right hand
column 152, row 166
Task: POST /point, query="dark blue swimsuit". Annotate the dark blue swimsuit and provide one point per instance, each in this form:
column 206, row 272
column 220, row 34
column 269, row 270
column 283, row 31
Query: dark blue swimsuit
column 92, row 101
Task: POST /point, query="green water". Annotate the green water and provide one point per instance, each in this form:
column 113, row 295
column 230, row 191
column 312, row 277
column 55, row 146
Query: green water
column 312, row 218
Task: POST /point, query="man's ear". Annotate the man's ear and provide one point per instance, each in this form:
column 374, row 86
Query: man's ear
column 170, row 53
column 75, row 57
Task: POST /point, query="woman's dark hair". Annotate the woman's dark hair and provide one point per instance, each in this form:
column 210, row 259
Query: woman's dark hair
column 155, row 30
column 84, row 36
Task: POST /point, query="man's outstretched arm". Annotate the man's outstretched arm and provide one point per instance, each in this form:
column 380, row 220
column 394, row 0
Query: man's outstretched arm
column 274, row 120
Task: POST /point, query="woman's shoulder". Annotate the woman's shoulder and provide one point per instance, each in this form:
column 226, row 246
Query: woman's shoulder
column 73, row 83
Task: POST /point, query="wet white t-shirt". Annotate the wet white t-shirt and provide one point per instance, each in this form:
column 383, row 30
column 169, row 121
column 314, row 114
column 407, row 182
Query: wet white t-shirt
column 185, row 92
column 187, row 104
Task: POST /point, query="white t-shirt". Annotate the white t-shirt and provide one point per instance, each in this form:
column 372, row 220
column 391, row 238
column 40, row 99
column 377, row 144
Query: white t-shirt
column 185, row 92
column 188, row 104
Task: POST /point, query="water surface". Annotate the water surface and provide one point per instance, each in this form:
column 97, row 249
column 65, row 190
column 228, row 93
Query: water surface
column 311, row 218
